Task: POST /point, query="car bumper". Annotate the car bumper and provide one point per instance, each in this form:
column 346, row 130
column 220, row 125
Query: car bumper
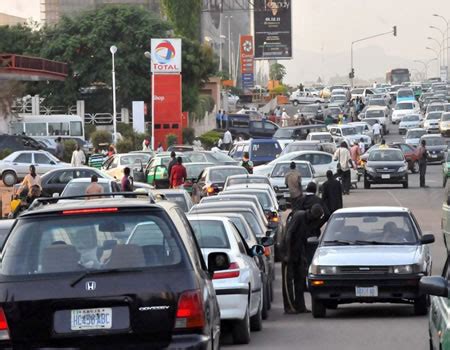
column 445, row 132
column 343, row 288
column 232, row 303
column 376, row 178
column 433, row 129
column 436, row 157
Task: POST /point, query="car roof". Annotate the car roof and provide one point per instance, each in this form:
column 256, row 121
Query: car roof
column 318, row 133
column 7, row 223
column 88, row 179
column 216, row 167
column 261, row 186
column 198, row 163
column 372, row 209
column 293, row 161
column 417, row 129
column 170, row 191
column 195, row 217
column 246, row 176
column 432, row 136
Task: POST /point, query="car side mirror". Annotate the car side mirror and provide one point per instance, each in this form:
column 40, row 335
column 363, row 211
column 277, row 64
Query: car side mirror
column 218, row 262
column 267, row 241
column 52, row 162
column 427, row 239
column 269, row 233
column 434, row 285
column 257, row 250
column 55, row 195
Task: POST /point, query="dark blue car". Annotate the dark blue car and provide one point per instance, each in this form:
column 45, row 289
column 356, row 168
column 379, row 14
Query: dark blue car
column 261, row 151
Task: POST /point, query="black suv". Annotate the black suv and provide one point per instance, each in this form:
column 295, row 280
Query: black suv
column 107, row 273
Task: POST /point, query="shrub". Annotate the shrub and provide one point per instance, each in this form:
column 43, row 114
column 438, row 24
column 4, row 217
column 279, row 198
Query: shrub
column 280, row 90
column 171, row 139
column 5, row 153
column 126, row 130
column 89, row 129
column 210, row 138
column 188, row 136
column 125, row 145
column 99, row 137
column 69, row 147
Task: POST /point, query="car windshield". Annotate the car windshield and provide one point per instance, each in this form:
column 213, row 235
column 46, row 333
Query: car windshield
column 349, row 131
column 386, row 156
column 282, row 133
column 436, row 108
column 266, row 149
column 79, row 188
column 238, row 222
column 280, row 170
column 415, row 134
column 179, row 199
column 295, row 147
column 338, row 98
column 357, row 91
column 405, row 93
column 321, row 137
column 132, row 159
column 263, row 197
column 220, row 175
column 210, row 234
column 374, row 114
column 222, row 157
column 377, row 102
column 445, row 117
column 435, row 141
column 359, row 129
column 107, row 239
column 411, row 118
column 404, row 106
column 310, row 109
column 434, row 116
column 370, row 228
column 193, row 170
column 246, row 180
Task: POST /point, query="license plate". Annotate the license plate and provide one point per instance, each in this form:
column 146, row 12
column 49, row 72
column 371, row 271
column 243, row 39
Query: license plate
column 433, row 156
column 385, row 176
column 286, row 195
column 366, row 291
column 87, row 319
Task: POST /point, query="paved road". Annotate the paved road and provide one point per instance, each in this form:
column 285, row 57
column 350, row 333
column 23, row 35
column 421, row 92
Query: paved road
column 361, row 326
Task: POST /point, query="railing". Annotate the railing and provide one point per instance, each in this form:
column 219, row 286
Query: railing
column 11, row 62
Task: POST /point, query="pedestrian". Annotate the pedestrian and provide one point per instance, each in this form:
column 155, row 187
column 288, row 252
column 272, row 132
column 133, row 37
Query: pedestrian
column 111, row 151
column 376, row 130
column 178, row 174
column 355, row 154
column 227, row 140
column 284, row 118
column 247, row 163
column 59, row 150
column 332, row 193
column 96, row 159
column 329, row 119
column 172, row 162
column 34, row 192
column 293, row 181
column 422, row 154
column 30, row 180
column 294, row 265
column 278, row 114
column 224, row 120
column 127, row 181
column 362, row 146
column 342, row 155
column 78, row 157
column 160, row 148
column 219, row 119
column 146, row 147
column 94, row 187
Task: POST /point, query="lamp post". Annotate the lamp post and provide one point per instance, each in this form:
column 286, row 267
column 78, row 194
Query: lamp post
column 438, row 54
column 113, row 50
column 447, row 31
column 229, row 46
column 149, row 56
column 222, row 37
column 425, row 65
column 443, row 41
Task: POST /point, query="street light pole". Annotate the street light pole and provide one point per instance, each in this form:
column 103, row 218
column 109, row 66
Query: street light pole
column 425, row 65
column 220, row 42
column 229, row 46
column 438, row 54
column 447, row 25
column 113, row 50
column 149, row 56
column 443, row 40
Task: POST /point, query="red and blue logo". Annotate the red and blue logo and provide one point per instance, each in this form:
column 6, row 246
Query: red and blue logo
column 164, row 52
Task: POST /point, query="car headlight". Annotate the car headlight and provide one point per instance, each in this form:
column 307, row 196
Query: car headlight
column 407, row 269
column 370, row 169
column 322, row 270
column 403, row 168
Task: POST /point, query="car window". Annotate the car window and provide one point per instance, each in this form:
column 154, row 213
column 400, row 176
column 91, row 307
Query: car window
column 269, row 126
column 406, row 149
column 40, row 158
column 85, row 173
column 114, row 164
column 320, row 159
column 239, row 241
column 210, row 234
column 269, row 149
column 74, row 243
column 257, row 125
column 23, row 158
column 61, row 177
column 79, row 188
column 179, row 199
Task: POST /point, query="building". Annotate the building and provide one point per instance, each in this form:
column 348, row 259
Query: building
column 8, row 20
column 53, row 10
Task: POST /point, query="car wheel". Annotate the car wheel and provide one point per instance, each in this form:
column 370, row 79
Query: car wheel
column 444, row 182
column 415, row 167
column 241, row 329
column 318, row 308
column 405, row 184
column 421, row 306
column 366, row 184
column 266, row 302
column 295, row 103
column 9, row 178
column 256, row 320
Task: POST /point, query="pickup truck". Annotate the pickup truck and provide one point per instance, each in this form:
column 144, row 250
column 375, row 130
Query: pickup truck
column 242, row 125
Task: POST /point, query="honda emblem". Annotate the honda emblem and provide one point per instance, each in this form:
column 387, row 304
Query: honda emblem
column 91, row 285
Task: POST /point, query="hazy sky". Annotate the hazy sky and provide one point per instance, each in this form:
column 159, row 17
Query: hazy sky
column 327, row 28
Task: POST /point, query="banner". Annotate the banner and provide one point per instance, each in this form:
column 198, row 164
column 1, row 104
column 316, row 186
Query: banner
column 273, row 29
column 247, row 56
column 166, row 55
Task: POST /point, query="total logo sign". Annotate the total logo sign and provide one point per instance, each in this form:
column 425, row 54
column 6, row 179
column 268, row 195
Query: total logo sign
column 166, row 55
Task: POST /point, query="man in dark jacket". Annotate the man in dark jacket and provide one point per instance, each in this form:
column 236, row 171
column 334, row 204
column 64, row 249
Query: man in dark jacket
column 173, row 161
column 294, row 266
column 332, row 193
column 307, row 201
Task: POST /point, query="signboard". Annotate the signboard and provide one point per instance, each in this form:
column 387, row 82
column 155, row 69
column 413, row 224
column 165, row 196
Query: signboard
column 273, row 29
column 166, row 55
column 138, row 116
column 247, row 58
column 444, row 73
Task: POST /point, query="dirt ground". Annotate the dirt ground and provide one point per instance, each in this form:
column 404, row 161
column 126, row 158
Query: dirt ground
column 5, row 199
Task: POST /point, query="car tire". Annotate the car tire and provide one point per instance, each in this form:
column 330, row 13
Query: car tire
column 421, row 306
column 266, row 302
column 444, row 182
column 256, row 321
column 405, row 184
column 9, row 178
column 415, row 167
column 366, row 185
column 318, row 308
column 295, row 103
column 241, row 329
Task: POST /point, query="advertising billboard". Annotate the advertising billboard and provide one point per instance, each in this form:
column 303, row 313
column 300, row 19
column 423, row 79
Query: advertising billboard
column 166, row 55
column 247, row 60
column 273, row 29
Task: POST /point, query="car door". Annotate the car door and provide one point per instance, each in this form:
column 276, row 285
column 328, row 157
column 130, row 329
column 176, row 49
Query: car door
column 21, row 164
column 321, row 164
column 438, row 316
column 43, row 163
column 269, row 129
column 57, row 182
column 256, row 129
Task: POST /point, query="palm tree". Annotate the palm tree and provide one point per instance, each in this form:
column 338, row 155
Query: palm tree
column 277, row 72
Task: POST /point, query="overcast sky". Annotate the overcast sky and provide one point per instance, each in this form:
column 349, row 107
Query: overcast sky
column 327, row 28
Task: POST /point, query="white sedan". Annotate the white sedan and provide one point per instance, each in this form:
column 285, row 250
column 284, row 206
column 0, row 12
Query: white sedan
column 239, row 289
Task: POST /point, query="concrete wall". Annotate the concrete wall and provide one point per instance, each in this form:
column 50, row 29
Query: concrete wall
column 208, row 123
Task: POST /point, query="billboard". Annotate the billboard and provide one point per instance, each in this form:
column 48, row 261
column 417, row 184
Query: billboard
column 166, row 55
column 247, row 59
column 273, row 29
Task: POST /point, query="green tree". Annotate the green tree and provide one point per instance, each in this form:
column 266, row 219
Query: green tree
column 20, row 39
column 277, row 72
column 184, row 16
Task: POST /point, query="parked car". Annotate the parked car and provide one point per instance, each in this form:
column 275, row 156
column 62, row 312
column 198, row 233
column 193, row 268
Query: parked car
column 386, row 166
column 212, row 179
column 16, row 166
column 407, row 122
column 303, row 97
column 260, row 151
column 242, row 125
column 347, row 268
column 404, row 108
column 67, row 273
column 432, row 121
column 180, row 197
column 413, row 136
column 436, row 147
column 298, row 132
column 239, row 289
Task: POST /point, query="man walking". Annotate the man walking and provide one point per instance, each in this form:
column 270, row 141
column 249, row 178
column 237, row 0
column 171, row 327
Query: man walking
column 422, row 153
column 247, row 163
column 376, row 130
column 332, row 193
column 342, row 155
column 178, row 174
column 59, row 151
column 294, row 266
column 293, row 181
column 285, row 118
column 219, row 119
column 173, row 161
column 227, row 140
column 354, row 153
column 78, row 157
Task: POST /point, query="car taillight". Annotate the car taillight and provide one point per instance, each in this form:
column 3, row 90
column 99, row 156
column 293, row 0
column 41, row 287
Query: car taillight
column 274, row 217
column 267, row 251
column 190, row 312
column 4, row 329
column 232, row 272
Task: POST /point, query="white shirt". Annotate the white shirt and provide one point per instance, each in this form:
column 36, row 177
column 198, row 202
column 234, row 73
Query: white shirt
column 284, row 116
column 78, row 158
column 376, row 129
column 227, row 138
column 362, row 147
column 342, row 155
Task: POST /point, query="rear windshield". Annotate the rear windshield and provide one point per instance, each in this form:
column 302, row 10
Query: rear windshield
column 349, row 131
column 247, row 180
column 263, row 197
column 435, row 141
column 79, row 188
column 283, row 133
column 405, row 93
column 415, row 134
column 386, row 156
column 411, row 118
column 374, row 114
column 321, row 137
column 179, row 199
column 434, row 116
column 193, row 171
column 71, row 243
column 404, row 106
column 210, row 234
column 220, row 175
column 270, row 149
column 280, row 170
column 377, row 102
